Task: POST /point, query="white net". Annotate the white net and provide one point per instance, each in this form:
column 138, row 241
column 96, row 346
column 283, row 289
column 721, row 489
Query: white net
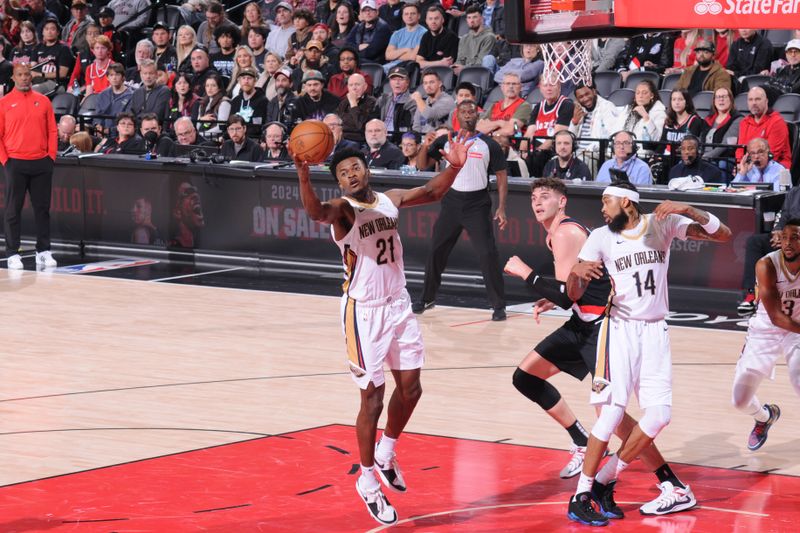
column 568, row 61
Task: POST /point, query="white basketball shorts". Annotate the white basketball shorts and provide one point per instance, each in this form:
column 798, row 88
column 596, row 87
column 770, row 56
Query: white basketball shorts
column 378, row 332
column 763, row 345
column 633, row 356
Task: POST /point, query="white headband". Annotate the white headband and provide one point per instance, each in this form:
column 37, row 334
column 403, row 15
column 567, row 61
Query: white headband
column 633, row 196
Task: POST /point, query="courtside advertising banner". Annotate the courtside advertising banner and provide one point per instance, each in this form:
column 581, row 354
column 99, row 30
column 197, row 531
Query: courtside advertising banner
column 756, row 14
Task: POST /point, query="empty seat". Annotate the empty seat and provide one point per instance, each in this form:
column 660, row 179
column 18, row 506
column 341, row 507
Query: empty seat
column 376, row 72
column 740, row 103
column 621, row 97
column 88, row 106
column 534, row 97
column 479, row 76
column 635, row 78
column 788, row 105
column 669, row 81
column 702, row 102
column 65, row 104
column 665, row 95
column 445, row 74
column 607, row 82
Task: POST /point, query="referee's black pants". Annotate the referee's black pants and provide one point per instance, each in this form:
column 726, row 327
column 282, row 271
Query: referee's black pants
column 24, row 175
column 471, row 211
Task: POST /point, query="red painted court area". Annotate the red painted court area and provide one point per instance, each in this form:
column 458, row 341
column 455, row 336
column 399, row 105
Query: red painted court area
column 304, row 481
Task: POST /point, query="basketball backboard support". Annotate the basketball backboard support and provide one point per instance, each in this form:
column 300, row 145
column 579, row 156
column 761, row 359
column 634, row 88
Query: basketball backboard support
column 543, row 21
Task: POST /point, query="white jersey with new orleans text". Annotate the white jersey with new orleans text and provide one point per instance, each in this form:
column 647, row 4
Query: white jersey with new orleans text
column 372, row 252
column 788, row 292
column 637, row 261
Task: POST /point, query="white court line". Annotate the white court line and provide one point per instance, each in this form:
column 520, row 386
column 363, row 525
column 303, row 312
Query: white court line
column 197, row 274
column 530, row 504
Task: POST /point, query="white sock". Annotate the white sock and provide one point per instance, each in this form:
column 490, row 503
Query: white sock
column 584, row 484
column 368, row 479
column 385, row 447
column 762, row 415
column 608, row 472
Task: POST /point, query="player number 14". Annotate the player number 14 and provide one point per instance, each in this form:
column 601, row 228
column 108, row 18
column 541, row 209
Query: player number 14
column 649, row 283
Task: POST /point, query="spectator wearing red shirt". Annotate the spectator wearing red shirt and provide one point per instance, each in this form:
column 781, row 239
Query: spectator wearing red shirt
column 763, row 122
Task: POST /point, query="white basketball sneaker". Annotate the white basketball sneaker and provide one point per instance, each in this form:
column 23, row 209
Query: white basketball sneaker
column 15, row 262
column 378, row 506
column 575, row 463
column 672, row 500
column 389, row 472
column 46, row 259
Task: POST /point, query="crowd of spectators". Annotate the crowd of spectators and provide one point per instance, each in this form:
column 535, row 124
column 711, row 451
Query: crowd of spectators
column 240, row 77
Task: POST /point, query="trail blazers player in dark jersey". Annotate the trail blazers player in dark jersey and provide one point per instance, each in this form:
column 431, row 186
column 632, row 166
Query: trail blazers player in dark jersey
column 377, row 321
column 573, row 347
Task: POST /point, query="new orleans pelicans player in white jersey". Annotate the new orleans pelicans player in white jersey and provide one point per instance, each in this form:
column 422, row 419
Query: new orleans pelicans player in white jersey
column 378, row 324
column 633, row 352
column 774, row 331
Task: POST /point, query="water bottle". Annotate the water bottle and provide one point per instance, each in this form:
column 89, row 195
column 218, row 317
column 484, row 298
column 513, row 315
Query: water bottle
column 76, row 88
column 784, row 180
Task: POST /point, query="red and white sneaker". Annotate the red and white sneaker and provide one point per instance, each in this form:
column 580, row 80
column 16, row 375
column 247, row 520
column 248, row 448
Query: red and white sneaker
column 672, row 500
column 573, row 467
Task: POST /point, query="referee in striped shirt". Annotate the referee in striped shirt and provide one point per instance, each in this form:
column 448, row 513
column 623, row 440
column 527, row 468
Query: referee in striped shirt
column 468, row 206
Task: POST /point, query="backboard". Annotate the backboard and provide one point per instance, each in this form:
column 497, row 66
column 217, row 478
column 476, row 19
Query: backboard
column 542, row 21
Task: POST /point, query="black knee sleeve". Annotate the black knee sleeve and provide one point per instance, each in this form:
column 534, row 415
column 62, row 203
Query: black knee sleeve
column 536, row 389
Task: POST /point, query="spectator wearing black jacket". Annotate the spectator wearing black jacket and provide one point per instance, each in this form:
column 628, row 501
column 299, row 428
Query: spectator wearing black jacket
column 392, row 14
column 250, row 104
column 749, row 54
column 439, row 46
column 150, row 97
column 379, row 151
column 126, row 140
column 356, row 108
column 651, row 52
column 240, row 146
column 316, row 102
column 154, row 142
column 787, row 79
column 371, row 35
column 692, row 164
column 165, row 54
column 281, row 108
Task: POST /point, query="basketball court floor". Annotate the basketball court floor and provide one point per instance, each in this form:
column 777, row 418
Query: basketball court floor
column 140, row 394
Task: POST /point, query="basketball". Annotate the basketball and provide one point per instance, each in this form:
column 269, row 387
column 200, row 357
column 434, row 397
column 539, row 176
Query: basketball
column 312, row 141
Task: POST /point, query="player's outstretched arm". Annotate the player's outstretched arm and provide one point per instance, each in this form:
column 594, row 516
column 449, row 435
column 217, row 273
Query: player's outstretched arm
column 707, row 226
column 327, row 212
column 769, row 296
column 437, row 187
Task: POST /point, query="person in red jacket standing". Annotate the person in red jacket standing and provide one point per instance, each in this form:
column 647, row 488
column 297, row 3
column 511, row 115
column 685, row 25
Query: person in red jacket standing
column 764, row 123
column 28, row 144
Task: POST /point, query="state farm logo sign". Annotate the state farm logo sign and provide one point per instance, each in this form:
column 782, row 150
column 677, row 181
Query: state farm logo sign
column 708, row 6
column 747, row 7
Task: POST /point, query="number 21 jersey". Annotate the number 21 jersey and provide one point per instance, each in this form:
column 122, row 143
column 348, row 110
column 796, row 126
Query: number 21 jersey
column 372, row 252
column 637, row 261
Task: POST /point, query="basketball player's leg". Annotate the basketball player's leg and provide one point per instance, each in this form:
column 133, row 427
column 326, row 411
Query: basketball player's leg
column 760, row 352
column 446, row 232
column 405, row 357
column 366, row 352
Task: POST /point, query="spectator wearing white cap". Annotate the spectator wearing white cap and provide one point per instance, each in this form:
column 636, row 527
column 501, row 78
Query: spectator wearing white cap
column 787, row 78
column 371, row 35
column 396, row 107
column 281, row 30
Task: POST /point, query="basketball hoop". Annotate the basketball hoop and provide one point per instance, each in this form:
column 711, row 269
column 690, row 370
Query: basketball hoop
column 568, row 61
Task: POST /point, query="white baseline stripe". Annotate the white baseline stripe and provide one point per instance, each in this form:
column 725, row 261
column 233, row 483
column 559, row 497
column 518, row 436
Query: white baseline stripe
column 197, row 274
